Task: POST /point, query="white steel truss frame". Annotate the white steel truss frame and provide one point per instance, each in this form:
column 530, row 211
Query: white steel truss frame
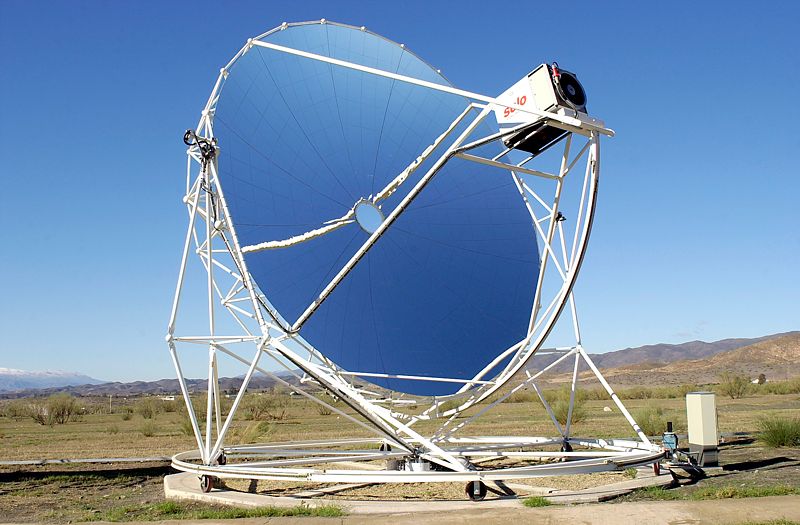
column 231, row 288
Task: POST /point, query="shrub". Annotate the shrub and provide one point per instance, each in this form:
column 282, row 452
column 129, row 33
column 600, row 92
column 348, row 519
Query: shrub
column 63, row 408
column 252, row 433
column 199, row 404
column 263, row 406
column 522, row 396
column 126, row 416
column 651, row 420
column 597, row 394
column 563, row 393
column 666, row 392
column 148, row 428
column 278, row 390
column 685, row 389
column 56, row 409
column 489, row 400
column 279, row 415
column 450, row 404
column 558, row 399
column 779, row 432
column 113, row 429
column 18, row 408
column 168, row 406
column 149, row 407
column 636, row 392
column 254, row 406
column 735, row 386
column 669, row 392
column 550, row 395
column 561, row 411
column 185, row 426
column 775, row 387
column 225, row 405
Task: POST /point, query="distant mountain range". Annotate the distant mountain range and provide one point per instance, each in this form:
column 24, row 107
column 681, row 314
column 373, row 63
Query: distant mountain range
column 779, row 353
column 11, row 379
column 778, row 359
column 660, row 353
column 162, row 386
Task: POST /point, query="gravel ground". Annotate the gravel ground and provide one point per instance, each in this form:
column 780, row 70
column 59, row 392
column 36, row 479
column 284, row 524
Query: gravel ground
column 67, row 493
column 419, row 491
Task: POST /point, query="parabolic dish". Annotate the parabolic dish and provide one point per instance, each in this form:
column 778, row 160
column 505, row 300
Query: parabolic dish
column 448, row 287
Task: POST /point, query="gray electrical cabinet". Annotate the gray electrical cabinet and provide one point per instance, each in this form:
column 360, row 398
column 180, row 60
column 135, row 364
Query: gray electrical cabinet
column 701, row 417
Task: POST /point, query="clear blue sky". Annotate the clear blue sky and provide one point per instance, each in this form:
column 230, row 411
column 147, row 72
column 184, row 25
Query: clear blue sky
column 697, row 233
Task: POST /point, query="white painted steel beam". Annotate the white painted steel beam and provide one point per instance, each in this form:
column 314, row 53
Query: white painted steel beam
column 570, row 121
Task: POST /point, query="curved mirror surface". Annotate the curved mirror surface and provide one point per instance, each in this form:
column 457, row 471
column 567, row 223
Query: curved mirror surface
column 449, row 286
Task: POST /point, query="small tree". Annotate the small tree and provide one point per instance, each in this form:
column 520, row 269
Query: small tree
column 263, row 406
column 63, row 408
column 735, row 386
column 56, row 409
column 18, row 408
column 149, row 407
column 255, row 406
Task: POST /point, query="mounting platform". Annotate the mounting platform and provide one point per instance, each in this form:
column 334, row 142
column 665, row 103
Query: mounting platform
column 184, row 487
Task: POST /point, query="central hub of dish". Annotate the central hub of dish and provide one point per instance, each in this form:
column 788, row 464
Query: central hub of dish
column 368, row 216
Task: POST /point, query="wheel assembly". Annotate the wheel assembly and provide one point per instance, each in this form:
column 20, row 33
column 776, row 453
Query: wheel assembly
column 476, row 490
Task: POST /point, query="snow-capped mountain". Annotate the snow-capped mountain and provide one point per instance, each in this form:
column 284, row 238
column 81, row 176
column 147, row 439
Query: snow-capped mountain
column 11, row 379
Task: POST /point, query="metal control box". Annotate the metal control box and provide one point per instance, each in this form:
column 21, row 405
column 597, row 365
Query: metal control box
column 701, row 417
column 542, row 89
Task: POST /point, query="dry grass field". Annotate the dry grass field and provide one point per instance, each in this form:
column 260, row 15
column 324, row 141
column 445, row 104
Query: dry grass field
column 64, row 493
column 104, row 435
